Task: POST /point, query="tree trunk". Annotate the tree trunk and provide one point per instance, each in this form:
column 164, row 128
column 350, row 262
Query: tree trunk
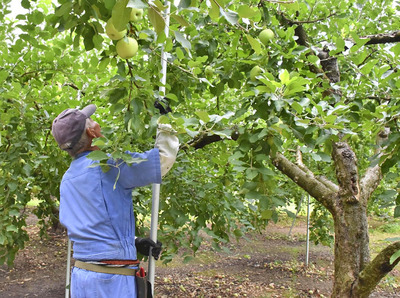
column 355, row 275
column 351, row 224
column 351, row 247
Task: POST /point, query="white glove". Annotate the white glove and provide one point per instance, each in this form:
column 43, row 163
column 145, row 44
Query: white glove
column 168, row 145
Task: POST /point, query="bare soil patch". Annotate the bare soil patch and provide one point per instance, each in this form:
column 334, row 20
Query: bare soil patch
column 267, row 264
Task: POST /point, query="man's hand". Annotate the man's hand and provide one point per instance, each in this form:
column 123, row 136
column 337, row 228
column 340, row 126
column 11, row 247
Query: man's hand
column 163, row 106
column 143, row 246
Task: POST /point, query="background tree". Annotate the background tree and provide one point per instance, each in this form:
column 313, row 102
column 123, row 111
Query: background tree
column 321, row 106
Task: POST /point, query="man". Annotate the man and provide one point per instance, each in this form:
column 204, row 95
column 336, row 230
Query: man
column 96, row 206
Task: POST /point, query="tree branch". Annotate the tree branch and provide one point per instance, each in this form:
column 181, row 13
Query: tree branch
column 372, row 274
column 202, row 140
column 383, row 38
column 373, row 175
column 309, row 183
column 329, row 184
column 330, row 68
column 73, row 86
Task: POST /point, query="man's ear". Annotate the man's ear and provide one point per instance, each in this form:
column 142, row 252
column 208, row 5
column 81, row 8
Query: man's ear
column 90, row 132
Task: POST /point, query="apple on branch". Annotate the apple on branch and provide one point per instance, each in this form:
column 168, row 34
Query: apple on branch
column 254, row 72
column 266, row 36
column 113, row 33
column 127, row 47
column 209, row 71
column 136, row 14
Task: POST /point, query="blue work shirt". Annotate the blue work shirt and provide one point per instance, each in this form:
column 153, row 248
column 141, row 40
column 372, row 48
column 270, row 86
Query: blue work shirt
column 99, row 218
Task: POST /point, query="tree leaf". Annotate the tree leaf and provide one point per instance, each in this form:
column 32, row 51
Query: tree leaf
column 397, row 211
column 11, row 228
column 214, row 10
column 64, row 9
column 184, row 3
column 394, row 257
column 284, row 76
column 251, row 173
column 247, row 12
column 231, row 16
column 116, row 94
column 26, row 4
column 109, row 4
column 156, row 19
column 396, row 49
column 121, row 15
column 137, row 4
column 255, row 44
column 203, row 115
column 98, row 155
column 159, row 5
column 295, row 105
column 180, row 20
column 266, row 214
column 182, row 40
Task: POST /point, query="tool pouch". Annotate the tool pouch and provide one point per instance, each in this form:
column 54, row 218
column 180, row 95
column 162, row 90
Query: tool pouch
column 143, row 287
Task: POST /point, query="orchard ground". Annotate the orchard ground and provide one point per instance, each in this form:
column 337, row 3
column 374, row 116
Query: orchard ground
column 267, row 264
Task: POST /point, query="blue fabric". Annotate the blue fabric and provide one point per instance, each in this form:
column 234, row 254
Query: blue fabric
column 96, row 208
column 89, row 284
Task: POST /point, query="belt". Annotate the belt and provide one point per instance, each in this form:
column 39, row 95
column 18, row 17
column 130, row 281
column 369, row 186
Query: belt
column 105, row 269
column 121, row 262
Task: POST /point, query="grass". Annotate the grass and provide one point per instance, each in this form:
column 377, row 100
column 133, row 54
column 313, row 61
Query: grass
column 201, row 258
column 380, row 231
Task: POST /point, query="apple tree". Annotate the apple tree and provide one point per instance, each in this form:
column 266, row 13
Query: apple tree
column 315, row 101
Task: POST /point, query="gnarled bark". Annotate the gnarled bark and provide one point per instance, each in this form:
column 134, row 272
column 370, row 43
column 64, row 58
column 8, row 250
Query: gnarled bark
column 351, row 245
column 346, row 172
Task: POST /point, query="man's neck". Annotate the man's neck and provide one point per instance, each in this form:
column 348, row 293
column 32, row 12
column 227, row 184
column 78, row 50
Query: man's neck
column 88, row 148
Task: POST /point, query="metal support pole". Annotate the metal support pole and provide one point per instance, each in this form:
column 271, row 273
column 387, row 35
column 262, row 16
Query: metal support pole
column 68, row 271
column 153, row 231
column 308, row 230
column 156, row 187
column 163, row 53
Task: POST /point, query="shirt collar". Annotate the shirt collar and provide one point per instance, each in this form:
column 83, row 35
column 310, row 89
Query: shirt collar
column 84, row 153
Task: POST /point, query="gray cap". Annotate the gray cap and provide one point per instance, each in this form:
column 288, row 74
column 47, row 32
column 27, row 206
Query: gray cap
column 69, row 126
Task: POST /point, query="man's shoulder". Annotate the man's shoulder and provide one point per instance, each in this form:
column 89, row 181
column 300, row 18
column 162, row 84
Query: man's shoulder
column 83, row 167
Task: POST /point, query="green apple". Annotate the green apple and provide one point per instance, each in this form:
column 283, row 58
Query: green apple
column 113, row 33
column 354, row 138
column 209, row 71
column 266, row 36
column 127, row 47
column 254, row 72
column 270, row 141
column 36, row 189
column 136, row 14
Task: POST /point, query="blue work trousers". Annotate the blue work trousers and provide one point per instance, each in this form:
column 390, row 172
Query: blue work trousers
column 89, row 284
